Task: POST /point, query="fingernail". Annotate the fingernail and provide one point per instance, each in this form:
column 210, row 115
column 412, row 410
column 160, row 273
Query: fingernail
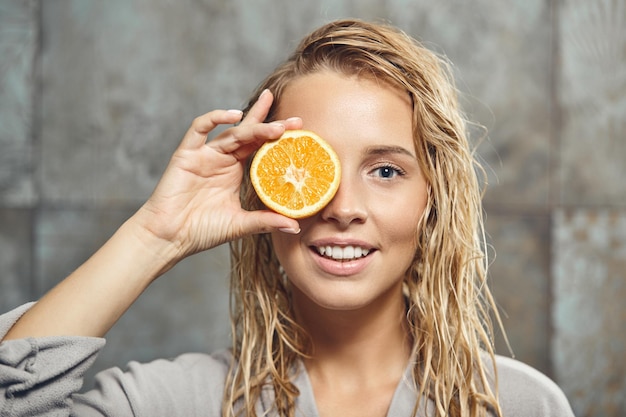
column 235, row 111
column 282, row 126
column 264, row 92
column 290, row 230
column 293, row 119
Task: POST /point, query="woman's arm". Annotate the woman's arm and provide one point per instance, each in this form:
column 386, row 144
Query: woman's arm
column 92, row 299
column 194, row 207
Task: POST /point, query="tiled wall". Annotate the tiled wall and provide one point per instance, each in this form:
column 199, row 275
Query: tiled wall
column 95, row 95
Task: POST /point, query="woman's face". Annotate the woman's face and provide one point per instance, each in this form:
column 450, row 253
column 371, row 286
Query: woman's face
column 356, row 251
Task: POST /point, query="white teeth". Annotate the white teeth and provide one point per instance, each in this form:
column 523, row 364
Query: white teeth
column 342, row 253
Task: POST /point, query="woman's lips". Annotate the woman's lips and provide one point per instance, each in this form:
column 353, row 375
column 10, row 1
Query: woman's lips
column 342, row 260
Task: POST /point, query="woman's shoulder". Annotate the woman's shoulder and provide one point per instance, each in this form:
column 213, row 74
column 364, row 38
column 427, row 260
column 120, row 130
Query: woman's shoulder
column 189, row 369
column 525, row 391
column 176, row 386
column 218, row 361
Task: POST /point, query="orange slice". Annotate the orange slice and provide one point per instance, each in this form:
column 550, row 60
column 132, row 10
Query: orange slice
column 297, row 174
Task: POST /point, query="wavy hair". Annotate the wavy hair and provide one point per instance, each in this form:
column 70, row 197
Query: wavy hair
column 449, row 304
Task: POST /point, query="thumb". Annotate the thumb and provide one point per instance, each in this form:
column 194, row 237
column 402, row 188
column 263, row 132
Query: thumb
column 264, row 221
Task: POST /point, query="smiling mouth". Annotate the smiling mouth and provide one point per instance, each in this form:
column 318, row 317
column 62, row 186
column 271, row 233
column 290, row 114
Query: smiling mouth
column 342, row 253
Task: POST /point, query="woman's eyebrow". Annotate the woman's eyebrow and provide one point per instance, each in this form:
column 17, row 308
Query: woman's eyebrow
column 388, row 149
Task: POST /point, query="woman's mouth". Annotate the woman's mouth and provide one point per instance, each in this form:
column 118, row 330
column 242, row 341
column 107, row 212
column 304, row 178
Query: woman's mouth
column 342, row 253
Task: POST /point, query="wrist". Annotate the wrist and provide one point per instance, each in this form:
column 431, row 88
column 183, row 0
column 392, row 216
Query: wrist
column 158, row 253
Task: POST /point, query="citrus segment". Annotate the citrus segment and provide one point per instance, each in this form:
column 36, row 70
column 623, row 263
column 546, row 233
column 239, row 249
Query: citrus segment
column 297, row 174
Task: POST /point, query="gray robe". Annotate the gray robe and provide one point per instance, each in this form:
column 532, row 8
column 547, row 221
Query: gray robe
column 43, row 377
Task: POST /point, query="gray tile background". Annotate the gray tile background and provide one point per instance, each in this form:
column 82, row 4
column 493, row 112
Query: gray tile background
column 95, row 95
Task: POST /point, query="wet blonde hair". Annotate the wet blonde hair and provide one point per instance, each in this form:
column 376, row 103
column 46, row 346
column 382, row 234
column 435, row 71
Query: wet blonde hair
column 448, row 301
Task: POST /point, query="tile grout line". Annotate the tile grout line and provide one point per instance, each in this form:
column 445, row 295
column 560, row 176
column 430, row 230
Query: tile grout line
column 36, row 151
column 554, row 184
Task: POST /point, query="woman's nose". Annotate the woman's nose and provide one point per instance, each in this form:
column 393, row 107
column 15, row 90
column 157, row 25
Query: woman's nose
column 347, row 206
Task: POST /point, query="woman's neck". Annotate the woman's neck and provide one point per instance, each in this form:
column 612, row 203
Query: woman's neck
column 368, row 344
column 358, row 357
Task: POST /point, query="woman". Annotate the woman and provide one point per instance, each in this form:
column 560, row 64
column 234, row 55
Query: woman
column 375, row 306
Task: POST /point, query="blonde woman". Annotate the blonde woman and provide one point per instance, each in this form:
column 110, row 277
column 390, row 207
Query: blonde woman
column 375, row 306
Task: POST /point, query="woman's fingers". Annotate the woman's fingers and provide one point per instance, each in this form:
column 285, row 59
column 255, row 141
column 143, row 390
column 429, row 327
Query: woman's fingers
column 263, row 221
column 259, row 110
column 236, row 138
column 201, row 126
column 240, row 141
column 251, row 129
